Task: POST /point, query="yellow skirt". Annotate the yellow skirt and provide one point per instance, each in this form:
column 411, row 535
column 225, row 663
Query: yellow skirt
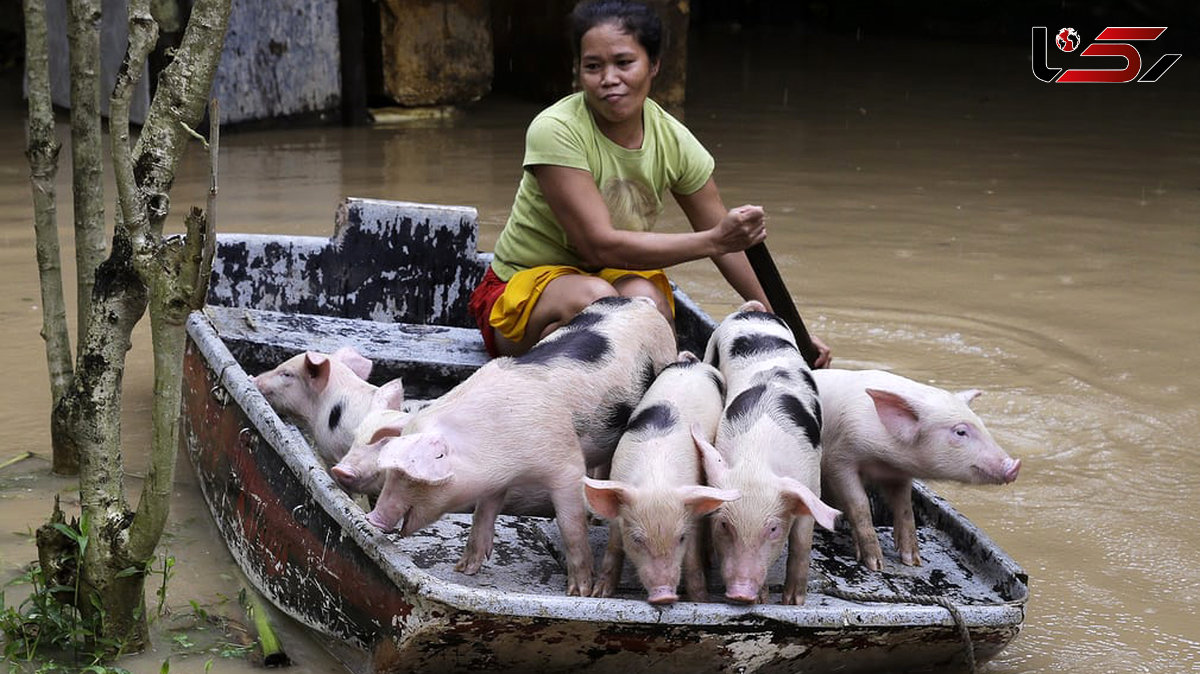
column 510, row 313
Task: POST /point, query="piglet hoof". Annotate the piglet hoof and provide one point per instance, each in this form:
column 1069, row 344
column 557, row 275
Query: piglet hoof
column 579, row 586
column 604, row 586
column 910, row 557
column 469, row 564
column 662, row 596
column 872, row 563
column 871, row 557
column 793, row 597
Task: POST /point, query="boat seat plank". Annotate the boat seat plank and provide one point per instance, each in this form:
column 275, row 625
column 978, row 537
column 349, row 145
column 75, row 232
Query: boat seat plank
column 431, row 359
column 387, row 260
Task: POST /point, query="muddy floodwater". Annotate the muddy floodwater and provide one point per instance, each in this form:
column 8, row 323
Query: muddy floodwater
column 936, row 211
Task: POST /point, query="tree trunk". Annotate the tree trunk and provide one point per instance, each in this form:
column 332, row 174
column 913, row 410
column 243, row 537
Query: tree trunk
column 42, row 151
column 176, row 289
column 177, row 273
column 93, row 411
column 101, row 476
column 141, row 266
column 87, row 157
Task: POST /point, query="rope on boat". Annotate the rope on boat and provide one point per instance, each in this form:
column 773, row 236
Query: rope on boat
column 927, row 599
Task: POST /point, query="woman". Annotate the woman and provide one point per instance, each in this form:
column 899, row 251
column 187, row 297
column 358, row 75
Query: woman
column 597, row 164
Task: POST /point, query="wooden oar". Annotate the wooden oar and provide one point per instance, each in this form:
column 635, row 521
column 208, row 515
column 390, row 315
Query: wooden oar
column 780, row 299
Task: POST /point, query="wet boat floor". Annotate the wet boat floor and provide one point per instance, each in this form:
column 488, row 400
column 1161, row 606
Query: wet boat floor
column 527, row 558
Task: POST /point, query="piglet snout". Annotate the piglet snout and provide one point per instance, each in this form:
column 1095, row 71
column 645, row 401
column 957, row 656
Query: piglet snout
column 743, row 592
column 1011, row 468
column 347, row 477
column 662, row 595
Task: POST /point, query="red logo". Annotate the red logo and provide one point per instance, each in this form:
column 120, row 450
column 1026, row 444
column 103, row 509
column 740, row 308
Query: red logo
column 1114, row 41
column 1067, row 40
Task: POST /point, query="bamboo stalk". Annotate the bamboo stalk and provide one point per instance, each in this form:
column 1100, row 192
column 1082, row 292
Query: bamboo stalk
column 16, row 459
column 259, row 619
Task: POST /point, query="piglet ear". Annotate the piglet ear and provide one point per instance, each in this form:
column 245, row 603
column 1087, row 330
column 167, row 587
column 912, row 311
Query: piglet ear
column 605, row 497
column 753, row 305
column 715, row 469
column 969, row 395
column 358, row 363
column 317, row 367
column 701, row 500
column 898, row 414
column 390, row 396
column 422, row 457
column 686, row 356
column 394, row 428
column 802, row 501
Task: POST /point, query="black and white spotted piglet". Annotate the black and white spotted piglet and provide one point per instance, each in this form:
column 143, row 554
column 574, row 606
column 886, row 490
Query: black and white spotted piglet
column 654, row 496
column 531, row 422
column 325, row 394
column 768, row 448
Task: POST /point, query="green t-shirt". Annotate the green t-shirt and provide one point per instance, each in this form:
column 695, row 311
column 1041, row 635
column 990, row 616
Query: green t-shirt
column 632, row 182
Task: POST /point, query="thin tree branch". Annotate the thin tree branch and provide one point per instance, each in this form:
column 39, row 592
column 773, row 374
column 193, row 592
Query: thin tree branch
column 143, row 32
column 87, row 155
column 172, row 275
column 42, row 152
column 202, row 240
column 189, row 78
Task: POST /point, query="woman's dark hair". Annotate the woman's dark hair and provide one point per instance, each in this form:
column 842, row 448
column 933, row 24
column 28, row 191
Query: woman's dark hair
column 635, row 18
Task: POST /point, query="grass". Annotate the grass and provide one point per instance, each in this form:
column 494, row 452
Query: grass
column 43, row 635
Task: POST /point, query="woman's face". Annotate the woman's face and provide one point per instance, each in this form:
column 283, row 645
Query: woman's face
column 615, row 73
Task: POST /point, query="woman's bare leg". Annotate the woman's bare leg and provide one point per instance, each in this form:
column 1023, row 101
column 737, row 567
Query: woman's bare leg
column 633, row 286
column 563, row 297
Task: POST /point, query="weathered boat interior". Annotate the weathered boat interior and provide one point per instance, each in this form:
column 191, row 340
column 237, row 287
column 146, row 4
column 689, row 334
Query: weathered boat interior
column 309, row 548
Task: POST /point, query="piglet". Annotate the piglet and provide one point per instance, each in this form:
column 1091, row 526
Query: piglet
column 654, row 495
column 886, row 429
column 382, row 417
column 326, row 395
column 768, row 447
column 533, row 421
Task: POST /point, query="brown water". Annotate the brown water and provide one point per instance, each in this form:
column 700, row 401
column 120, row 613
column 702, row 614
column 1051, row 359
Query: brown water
column 936, row 211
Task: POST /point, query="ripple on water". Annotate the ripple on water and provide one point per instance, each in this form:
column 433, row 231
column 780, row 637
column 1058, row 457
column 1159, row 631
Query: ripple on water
column 1101, row 516
column 1084, row 627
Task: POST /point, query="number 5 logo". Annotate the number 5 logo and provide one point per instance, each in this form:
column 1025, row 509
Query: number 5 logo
column 1112, row 41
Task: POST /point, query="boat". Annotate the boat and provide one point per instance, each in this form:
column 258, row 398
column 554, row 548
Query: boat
column 393, row 280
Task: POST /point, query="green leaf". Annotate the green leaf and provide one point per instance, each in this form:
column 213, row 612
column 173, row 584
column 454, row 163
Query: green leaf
column 69, row 533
